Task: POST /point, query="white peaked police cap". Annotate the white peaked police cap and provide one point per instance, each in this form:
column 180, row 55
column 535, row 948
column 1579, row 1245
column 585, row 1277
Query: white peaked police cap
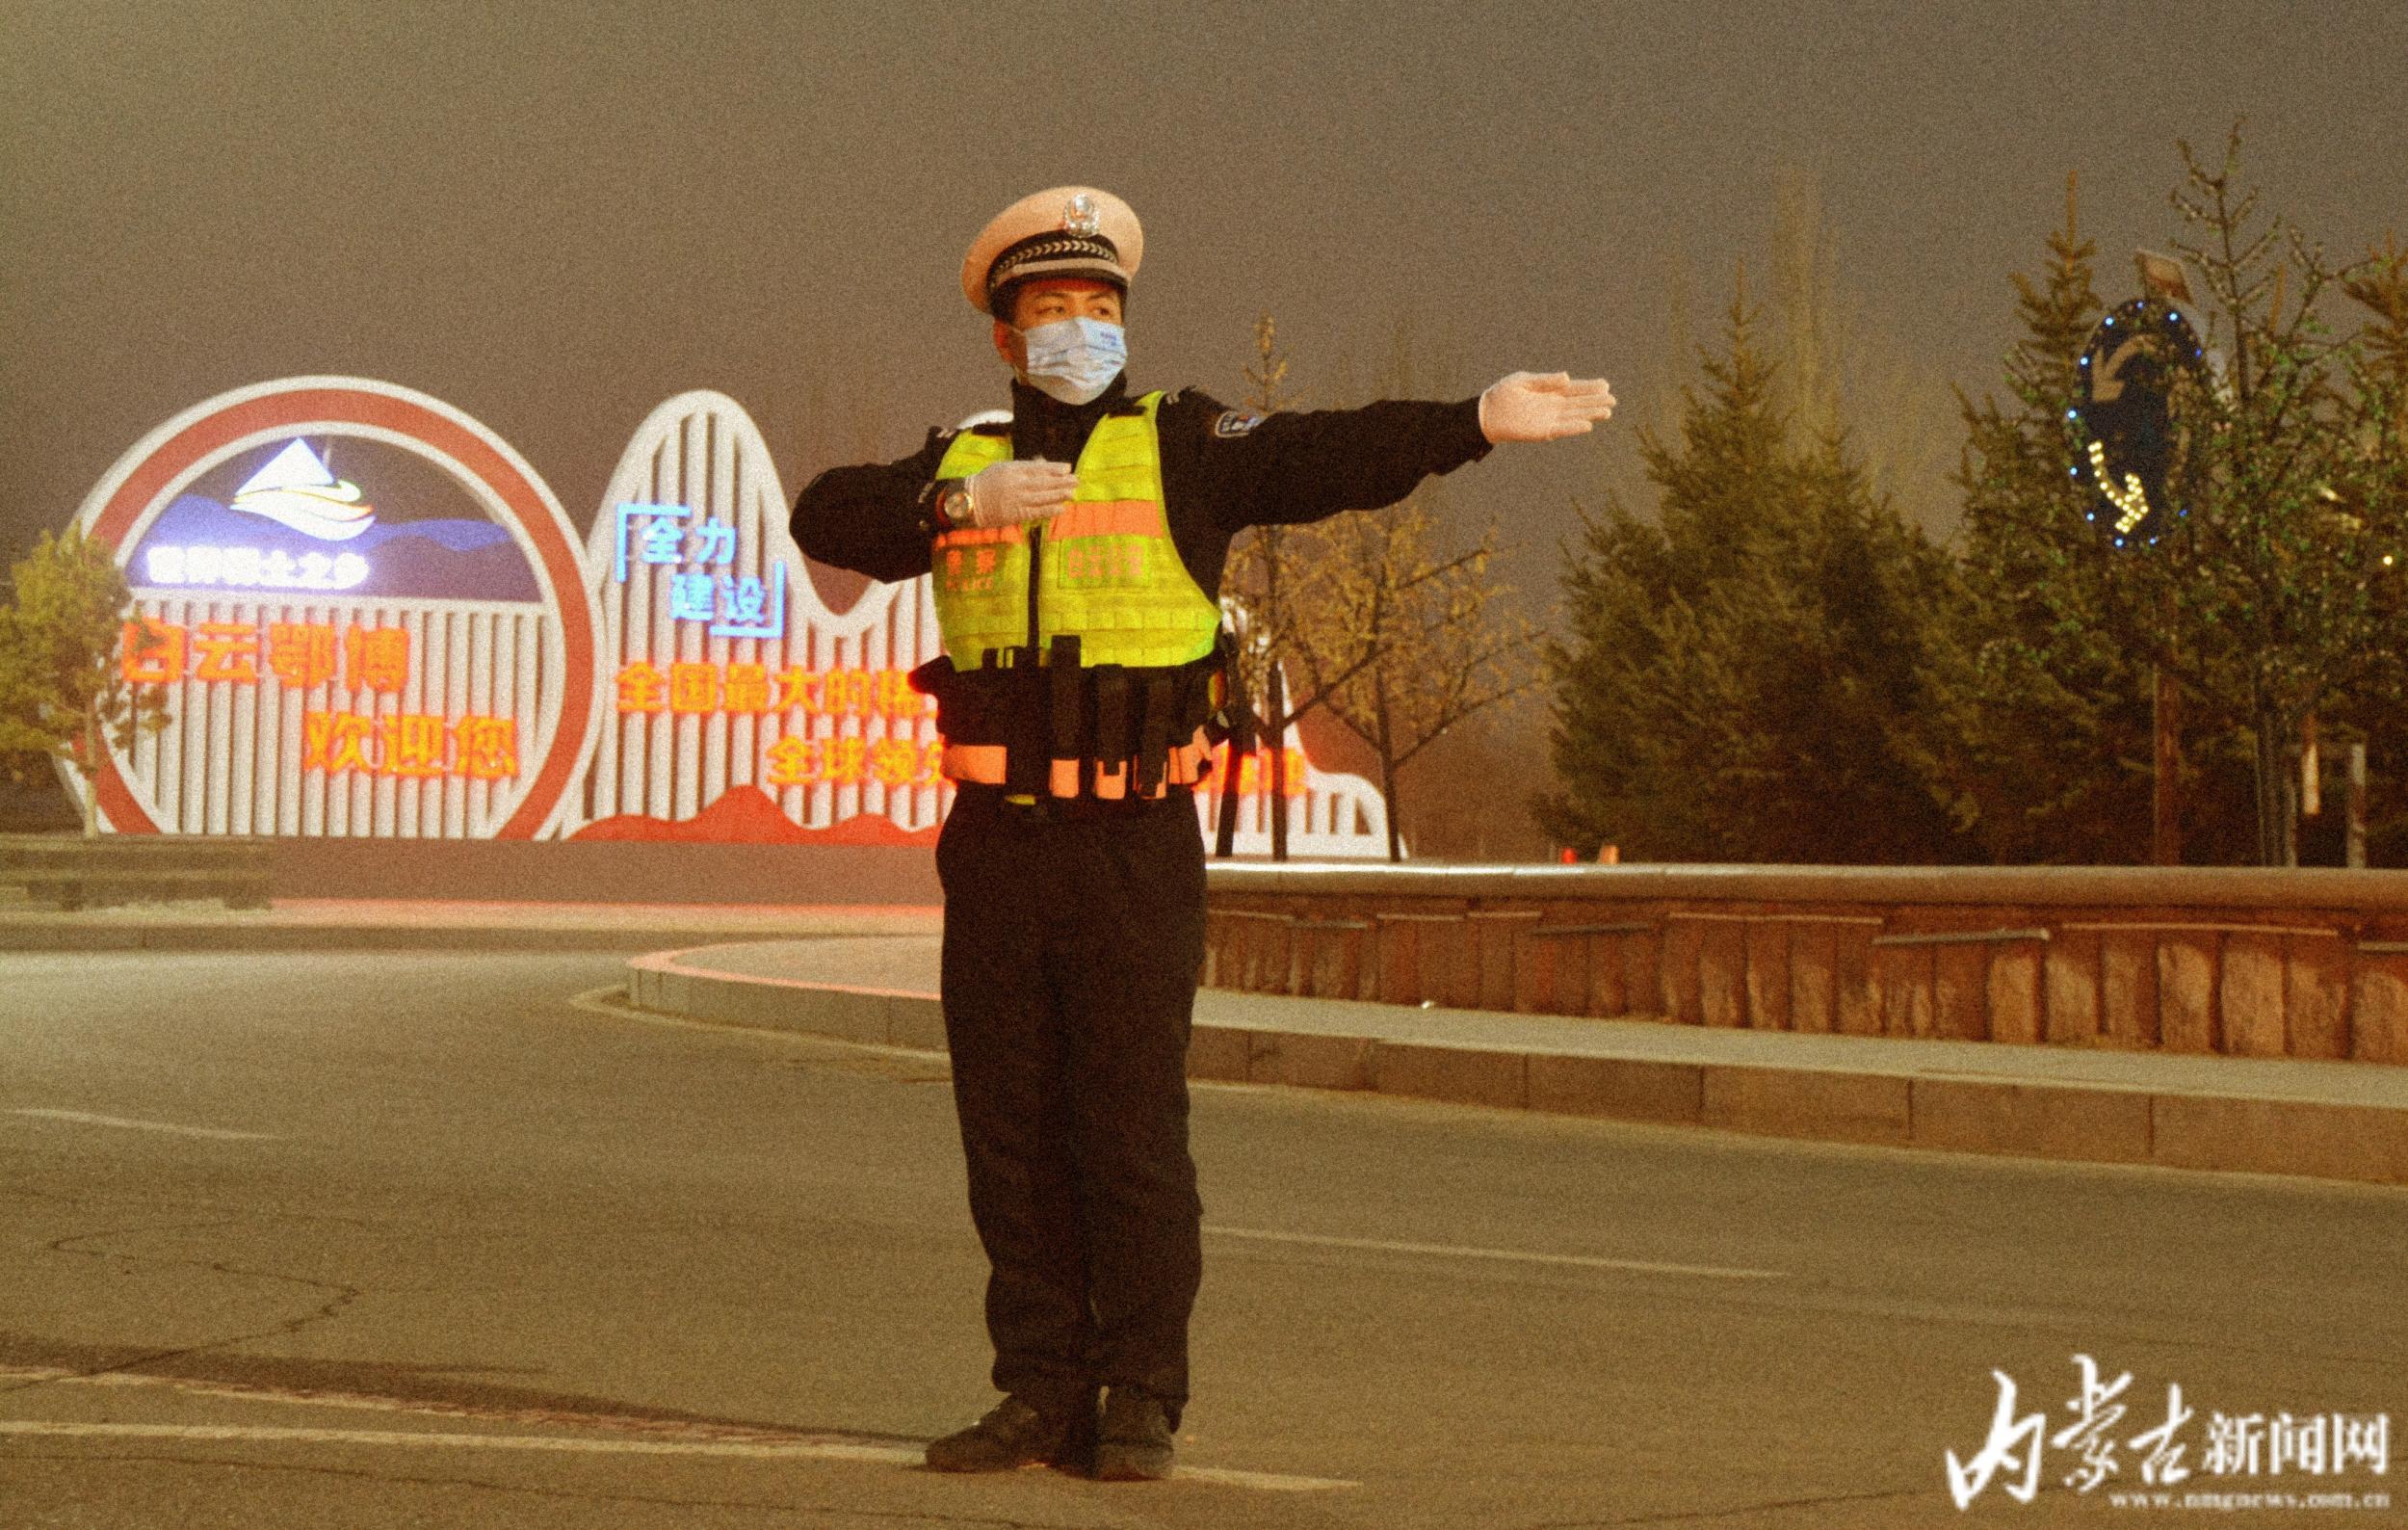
column 1064, row 231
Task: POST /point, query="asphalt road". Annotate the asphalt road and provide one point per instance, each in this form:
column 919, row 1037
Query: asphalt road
column 416, row 1240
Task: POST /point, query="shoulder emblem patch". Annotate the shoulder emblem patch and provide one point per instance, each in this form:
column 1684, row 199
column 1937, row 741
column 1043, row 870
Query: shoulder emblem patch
column 1237, row 422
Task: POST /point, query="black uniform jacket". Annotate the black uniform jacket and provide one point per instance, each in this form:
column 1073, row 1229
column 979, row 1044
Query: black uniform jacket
column 1223, row 470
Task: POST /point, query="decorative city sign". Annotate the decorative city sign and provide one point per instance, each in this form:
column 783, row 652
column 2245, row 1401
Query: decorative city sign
column 2122, row 426
column 375, row 620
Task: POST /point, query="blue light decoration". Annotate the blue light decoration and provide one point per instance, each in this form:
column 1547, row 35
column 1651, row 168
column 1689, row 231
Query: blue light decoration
column 2122, row 423
column 689, row 547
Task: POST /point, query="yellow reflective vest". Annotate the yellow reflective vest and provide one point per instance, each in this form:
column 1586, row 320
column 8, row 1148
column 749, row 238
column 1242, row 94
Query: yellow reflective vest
column 1107, row 569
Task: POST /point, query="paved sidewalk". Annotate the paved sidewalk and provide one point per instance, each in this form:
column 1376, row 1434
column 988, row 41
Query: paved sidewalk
column 2337, row 1121
column 397, row 924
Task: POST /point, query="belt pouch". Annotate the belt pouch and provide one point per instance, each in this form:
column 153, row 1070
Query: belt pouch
column 1112, row 730
column 1196, row 715
column 1024, row 722
column 929, row 678
column 935, row 680
column 970, row 705
column 1064, row 685
column 1154, row 732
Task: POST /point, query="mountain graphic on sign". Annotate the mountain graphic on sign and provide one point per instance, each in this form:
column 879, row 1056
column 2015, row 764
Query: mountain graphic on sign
column 296, row 489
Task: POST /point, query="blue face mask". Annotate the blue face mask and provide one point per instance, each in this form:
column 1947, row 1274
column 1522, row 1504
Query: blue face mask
column 1073, row 360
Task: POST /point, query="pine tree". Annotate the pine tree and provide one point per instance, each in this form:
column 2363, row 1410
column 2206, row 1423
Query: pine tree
column 64, row 695
column 2053, row 712
column 1749, row 679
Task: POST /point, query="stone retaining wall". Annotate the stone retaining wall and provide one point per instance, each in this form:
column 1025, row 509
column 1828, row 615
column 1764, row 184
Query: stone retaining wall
column 2308, row 964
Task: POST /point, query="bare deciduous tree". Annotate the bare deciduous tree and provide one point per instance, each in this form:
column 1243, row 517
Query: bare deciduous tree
column 1406, row 643
column 1400, row 641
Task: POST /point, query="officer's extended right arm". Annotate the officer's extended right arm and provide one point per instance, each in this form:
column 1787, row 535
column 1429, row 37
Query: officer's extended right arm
column 1288, row 468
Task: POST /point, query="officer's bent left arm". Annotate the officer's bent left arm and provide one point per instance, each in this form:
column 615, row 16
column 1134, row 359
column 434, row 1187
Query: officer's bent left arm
column 869, row 518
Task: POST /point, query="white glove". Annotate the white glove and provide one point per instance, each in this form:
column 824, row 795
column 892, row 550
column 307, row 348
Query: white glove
column 1543, row 406
column 1017, row 492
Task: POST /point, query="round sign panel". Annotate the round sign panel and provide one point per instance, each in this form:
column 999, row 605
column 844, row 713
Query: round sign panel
column 2123, row 419
column 368, row 613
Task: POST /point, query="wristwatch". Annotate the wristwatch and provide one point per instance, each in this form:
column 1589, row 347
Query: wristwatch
column 949, row 505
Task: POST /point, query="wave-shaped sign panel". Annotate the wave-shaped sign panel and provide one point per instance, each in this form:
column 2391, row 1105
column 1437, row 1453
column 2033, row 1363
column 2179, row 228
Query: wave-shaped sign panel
column 367, row 611
column 737, row 704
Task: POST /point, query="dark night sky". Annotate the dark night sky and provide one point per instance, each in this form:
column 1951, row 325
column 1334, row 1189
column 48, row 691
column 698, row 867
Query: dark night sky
column 554, row 216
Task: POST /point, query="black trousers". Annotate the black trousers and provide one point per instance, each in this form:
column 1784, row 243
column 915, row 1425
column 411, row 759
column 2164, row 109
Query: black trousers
column 1071, row 952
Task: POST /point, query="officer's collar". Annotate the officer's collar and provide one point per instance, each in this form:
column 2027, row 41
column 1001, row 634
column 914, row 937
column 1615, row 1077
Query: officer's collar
column 1030, row 406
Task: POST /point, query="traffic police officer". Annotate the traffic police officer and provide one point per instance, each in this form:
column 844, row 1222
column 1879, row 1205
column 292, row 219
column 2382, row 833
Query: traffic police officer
column 1077, row 555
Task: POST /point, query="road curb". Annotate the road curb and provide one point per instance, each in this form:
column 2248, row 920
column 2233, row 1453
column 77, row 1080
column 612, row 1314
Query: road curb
column 2068, row 1121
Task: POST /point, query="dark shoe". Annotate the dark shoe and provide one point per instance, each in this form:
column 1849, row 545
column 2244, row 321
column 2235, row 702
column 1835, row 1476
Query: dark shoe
column 1135, row 1441
column 1016, row 1434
